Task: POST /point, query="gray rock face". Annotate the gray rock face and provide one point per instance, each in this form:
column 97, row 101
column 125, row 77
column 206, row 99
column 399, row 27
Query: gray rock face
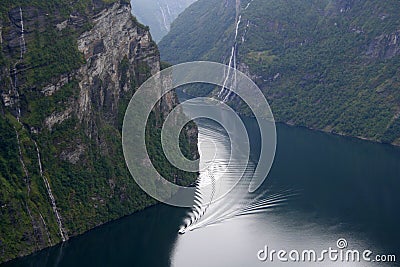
column 114, row 38
column 385, row 46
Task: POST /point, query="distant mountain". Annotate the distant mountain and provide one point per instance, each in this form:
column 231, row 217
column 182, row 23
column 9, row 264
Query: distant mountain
column 158, row 14
column 332, row 65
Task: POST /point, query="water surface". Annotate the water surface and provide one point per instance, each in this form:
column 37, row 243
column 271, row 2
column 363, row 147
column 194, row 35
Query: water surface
column 349, row 189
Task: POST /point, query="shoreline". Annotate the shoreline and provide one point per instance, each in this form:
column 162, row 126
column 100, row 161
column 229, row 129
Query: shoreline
column 287, row 124
column 73, row 237
column 361, row 138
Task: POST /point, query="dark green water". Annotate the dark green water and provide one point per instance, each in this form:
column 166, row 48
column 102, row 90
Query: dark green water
column 349, row 189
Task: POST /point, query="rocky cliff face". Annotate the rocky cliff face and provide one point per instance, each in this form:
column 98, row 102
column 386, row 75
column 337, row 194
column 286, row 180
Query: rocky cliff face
column 106, row 50
column 65, row 81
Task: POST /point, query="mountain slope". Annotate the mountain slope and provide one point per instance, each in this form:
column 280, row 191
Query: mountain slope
column 66, row 76
column 159, row 15
column 331, row 65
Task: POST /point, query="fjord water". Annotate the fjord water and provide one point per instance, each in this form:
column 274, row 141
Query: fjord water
column 348, row 189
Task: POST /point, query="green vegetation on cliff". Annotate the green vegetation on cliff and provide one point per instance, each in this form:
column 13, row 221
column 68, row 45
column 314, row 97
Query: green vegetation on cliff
column 331, row 65
column 70, row 96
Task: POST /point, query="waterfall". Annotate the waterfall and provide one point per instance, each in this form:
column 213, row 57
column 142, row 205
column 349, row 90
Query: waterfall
column 63, row 235
column 168, row 10
column 232, row 59
column 15, row 91
column 248, row 5
column 13, row 73
column 22, row 38
column 234, row 52
column 164, row 18
column 14, row 86
column 46, row 229
column 27, row 181
column 227, row 75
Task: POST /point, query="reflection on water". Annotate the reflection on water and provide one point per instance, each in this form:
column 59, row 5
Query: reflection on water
column 348, row 189
column 220, row 169
column 234, row 229
column 321, row 189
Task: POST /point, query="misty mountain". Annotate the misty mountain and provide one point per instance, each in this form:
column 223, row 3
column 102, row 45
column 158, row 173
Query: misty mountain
column 158, row 15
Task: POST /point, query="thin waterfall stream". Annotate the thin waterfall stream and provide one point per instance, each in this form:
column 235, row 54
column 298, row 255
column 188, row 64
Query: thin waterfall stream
column 225, row 93
column 232, row 59
column 14, row 86
column 63, row 235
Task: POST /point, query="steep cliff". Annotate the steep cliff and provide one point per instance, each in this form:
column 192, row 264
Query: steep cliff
column 67, row 73
column 331, row 65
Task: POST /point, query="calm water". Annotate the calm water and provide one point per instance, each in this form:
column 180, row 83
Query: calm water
column 349, row 189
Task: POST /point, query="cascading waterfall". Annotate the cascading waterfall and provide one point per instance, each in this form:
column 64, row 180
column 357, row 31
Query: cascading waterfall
column 232, row 58
column 13, row 73
column 164, row 17
column 22, row 37
column 14, row 85
column 63, row 235
column 232, row 64
column 248, row 5
column 46, row 229
column 168, row 9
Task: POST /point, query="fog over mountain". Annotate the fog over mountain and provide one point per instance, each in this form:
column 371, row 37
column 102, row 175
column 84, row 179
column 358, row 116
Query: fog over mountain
column 159, row 15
